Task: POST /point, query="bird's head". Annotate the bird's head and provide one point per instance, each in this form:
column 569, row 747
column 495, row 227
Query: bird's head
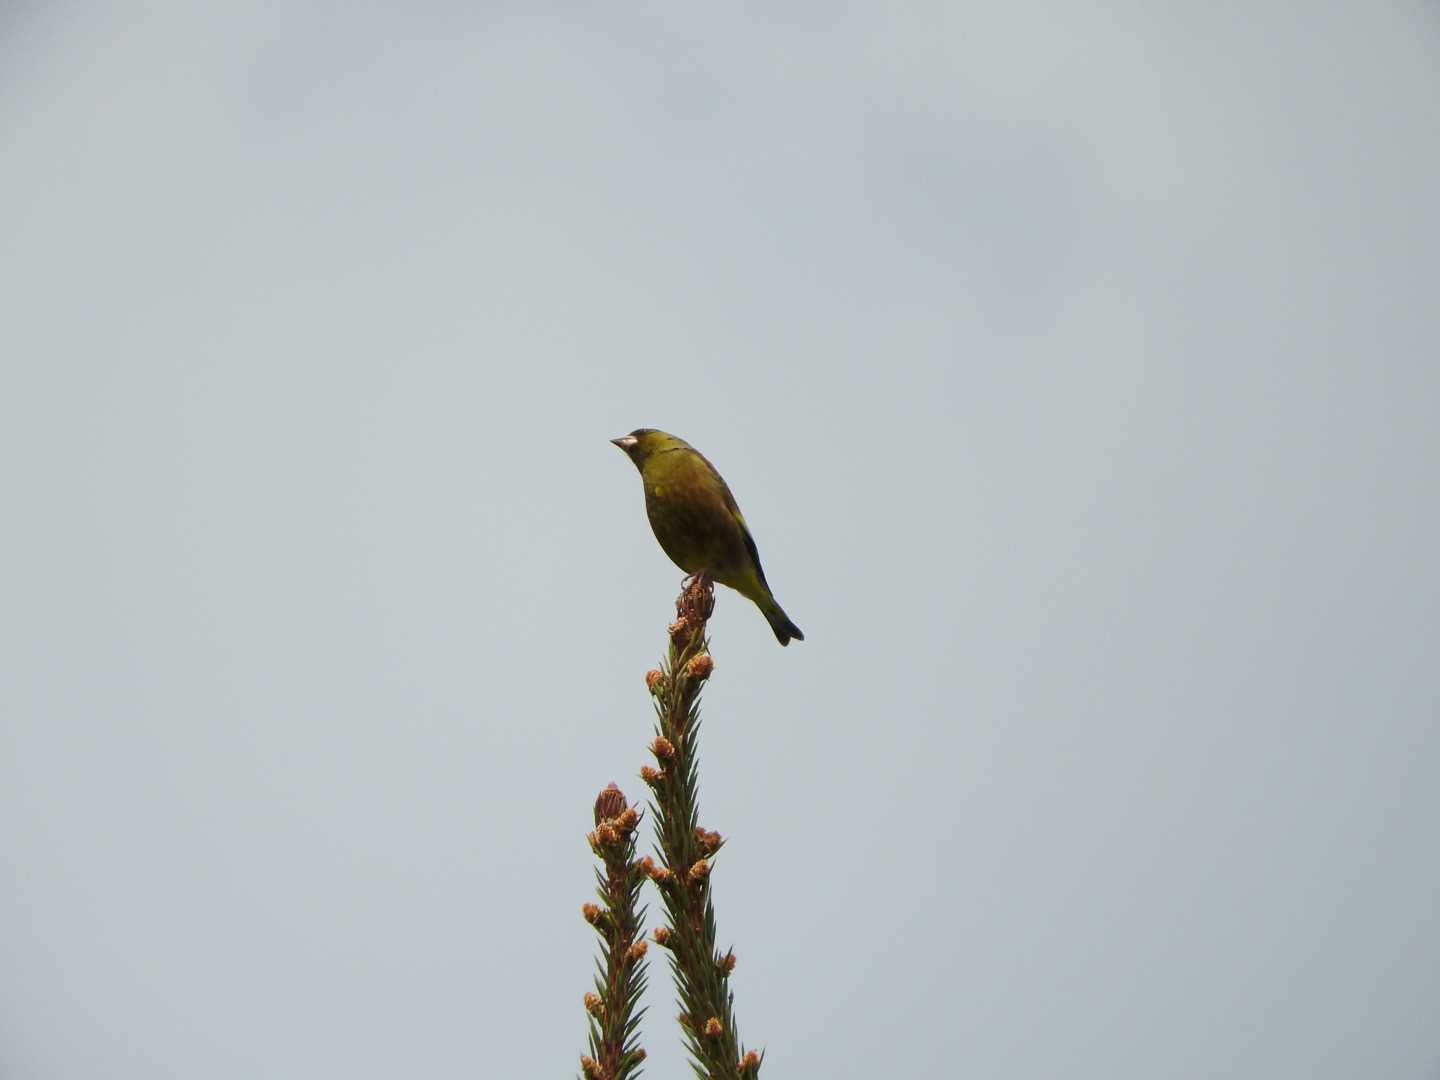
column 642, row 443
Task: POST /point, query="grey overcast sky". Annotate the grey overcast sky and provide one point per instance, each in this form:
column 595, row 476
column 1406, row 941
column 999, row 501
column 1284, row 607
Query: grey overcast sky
column 1075, row 365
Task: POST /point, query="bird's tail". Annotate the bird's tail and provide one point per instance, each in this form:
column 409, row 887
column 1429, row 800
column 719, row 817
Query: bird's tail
column 784, row 629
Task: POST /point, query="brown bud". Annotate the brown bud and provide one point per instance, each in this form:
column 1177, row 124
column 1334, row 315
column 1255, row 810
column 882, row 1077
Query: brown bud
column 750, row 1063
column 699, row 872
column 726, row 963
column 606, row 835
column 651, row 775
column 654, row 681
column 662, row 936
column 713, row 1027
column 592, row 914
column 591, row 1068
column 696, row 602
column 626, row 822
column 637, row 952
column 610, row 803
column 662, row 748
column 679, row 631
column 710, row 841
column 593, row 1005
column 662, row 875
column 700, row 667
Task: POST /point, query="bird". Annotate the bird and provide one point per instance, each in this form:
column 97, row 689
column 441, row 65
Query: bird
column 697, row 522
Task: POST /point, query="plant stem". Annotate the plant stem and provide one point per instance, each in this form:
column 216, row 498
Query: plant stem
column 701, row 972
column 615, row 1051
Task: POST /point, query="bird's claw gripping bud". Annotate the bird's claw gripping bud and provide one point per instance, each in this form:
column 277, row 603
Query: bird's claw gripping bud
column 696, row 602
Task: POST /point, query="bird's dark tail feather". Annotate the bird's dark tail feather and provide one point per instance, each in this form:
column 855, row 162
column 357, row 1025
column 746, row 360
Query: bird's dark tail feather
column 784, row 629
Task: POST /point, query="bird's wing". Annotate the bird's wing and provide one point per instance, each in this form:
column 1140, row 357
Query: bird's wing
column 734, row 508
column 750, row 547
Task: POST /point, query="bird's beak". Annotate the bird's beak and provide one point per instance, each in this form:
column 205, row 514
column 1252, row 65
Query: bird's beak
column 625, row 442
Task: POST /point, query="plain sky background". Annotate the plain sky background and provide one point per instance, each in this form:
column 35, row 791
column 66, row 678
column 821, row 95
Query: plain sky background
column 1075, row 365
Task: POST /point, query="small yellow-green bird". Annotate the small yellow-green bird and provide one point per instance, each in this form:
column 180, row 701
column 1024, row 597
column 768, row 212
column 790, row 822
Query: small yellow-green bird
column 695, row 518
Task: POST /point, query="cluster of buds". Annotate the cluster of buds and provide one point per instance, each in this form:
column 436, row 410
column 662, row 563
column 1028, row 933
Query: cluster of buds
column 655, row 681
column 662, row 748
column 651, row 775
column 699, row 667
column 615, row 821
column 698, row 873
column 710, row 841
column 593, row 1005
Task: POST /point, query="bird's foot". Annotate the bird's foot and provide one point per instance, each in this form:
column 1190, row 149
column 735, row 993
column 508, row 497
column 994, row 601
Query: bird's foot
column 696, row 602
